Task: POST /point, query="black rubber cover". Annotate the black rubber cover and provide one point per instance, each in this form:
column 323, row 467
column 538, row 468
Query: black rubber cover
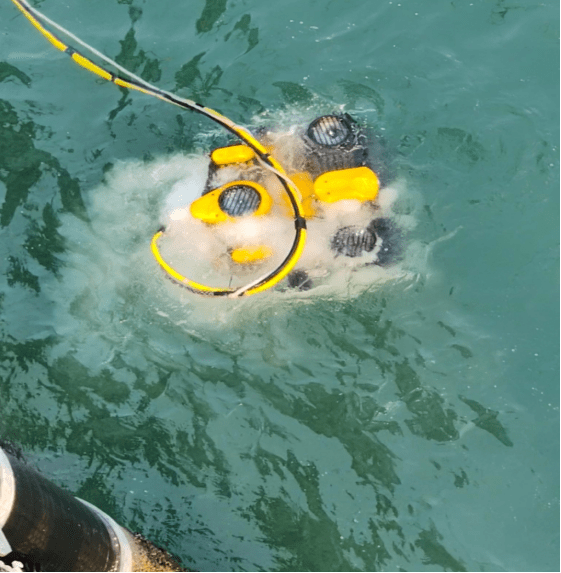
column 52, row 528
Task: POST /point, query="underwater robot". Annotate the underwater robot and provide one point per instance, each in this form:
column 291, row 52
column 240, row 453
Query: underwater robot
column 242, row 205
column 319, row 178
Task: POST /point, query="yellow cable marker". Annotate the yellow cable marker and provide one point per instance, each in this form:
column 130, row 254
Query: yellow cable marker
column 52, row 39
column 138, row 84
column 85, row 63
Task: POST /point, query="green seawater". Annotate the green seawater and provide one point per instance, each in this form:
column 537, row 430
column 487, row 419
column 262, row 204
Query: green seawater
column 410, row 426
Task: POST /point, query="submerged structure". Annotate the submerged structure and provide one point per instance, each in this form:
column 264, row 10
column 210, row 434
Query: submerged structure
column 237, row 227
column 317, row 177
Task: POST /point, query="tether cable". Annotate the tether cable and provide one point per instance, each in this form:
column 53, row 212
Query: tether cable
column 135, row 82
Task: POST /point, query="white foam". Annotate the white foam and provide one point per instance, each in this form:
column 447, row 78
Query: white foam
column 109, row 258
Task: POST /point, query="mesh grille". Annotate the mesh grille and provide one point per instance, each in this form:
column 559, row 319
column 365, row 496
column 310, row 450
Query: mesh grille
column 353, row 241
column 330, row 131
column 239, row 200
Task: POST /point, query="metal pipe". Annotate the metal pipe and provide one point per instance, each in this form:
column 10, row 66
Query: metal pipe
column 53, row 528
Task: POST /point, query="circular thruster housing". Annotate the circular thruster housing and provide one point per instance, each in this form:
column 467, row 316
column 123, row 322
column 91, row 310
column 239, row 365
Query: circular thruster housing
column 235, row 199
column 353, row 241
column 331, row 131
column 334, row 142
column 239, row 200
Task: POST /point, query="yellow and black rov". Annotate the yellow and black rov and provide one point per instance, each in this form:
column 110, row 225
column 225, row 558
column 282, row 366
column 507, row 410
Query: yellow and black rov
column 319, row 176
column 242, row 205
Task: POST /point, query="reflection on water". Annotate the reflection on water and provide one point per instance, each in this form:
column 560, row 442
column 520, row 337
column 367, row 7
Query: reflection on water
column 23, row 165
column 294, row 419
column 366, row 431
column 304, row 460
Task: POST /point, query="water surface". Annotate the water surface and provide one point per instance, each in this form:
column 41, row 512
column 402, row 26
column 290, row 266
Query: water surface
column 411, row 424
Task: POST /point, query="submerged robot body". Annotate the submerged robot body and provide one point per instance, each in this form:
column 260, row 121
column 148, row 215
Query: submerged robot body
column 324, row 182
column 242, row 205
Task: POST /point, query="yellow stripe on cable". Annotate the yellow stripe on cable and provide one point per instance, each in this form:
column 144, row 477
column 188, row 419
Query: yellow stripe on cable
column 89, row 65
column 138, row 84
column 27, row 10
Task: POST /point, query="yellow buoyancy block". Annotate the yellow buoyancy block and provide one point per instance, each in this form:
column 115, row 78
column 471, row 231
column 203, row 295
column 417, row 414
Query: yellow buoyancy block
column 232, row 154
column 360, row 183
column 248, row 255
